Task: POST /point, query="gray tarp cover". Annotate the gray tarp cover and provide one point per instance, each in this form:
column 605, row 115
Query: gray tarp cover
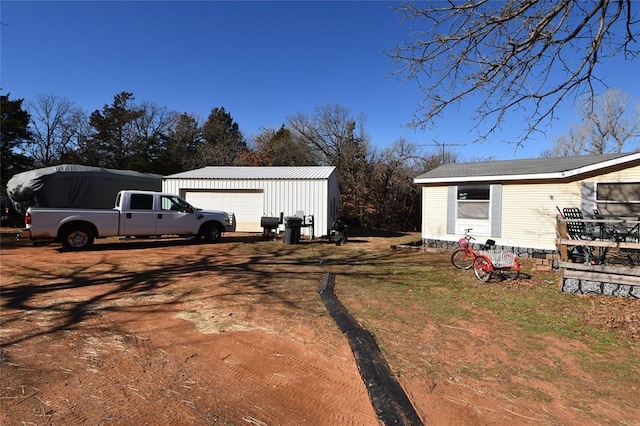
column 74, row 186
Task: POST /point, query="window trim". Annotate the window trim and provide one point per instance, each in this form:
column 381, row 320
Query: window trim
column 486, row 201
column 493, row 223
column 597, row 202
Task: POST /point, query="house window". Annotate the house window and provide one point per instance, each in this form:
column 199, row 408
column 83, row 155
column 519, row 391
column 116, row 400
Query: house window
column 618, row 199
column 473, row 202
column 478, row 207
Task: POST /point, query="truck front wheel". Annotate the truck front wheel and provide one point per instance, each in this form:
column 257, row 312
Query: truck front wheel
column 211, row 233
column 77, row 237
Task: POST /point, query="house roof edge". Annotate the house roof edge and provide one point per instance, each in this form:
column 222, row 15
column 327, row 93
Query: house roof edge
column 561, row 174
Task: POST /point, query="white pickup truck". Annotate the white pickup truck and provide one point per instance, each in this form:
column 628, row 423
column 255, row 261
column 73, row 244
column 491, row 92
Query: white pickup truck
column 136, row 214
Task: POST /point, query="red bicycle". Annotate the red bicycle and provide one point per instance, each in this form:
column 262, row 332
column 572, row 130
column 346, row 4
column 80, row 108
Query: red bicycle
column 464, row 256
column 488, row 263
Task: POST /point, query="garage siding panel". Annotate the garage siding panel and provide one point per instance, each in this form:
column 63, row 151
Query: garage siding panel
column 310, row 197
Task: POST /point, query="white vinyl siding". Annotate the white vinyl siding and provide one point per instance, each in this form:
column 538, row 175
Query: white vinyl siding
column 529, row 212
column 434, row 213
column 628, row 175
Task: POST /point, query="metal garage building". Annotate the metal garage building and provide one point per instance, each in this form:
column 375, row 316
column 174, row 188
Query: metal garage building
column 253, row 192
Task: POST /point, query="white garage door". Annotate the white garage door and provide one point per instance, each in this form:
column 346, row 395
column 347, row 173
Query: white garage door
column 247, row 206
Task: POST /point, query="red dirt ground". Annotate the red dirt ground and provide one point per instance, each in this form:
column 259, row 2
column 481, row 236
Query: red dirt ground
column 157, row 334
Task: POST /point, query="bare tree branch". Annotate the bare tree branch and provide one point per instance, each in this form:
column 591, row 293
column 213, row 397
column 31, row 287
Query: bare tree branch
column 515, row 55
column 55, row 125
column 610, row 123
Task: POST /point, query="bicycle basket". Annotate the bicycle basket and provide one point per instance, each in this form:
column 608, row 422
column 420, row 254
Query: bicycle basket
column 500, row 259
column 463, row 242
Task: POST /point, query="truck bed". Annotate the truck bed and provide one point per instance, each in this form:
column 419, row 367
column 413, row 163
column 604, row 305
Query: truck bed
column 46, row 221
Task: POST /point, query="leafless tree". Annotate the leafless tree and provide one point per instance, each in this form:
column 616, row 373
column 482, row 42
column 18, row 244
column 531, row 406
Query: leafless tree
column 334, row 137
column 56, row 125
column 524, row 55
column 610, row 123
column 568, row 145
column 155, row 122
column 395, row 199
column 280, row 148
column 152, row 126
column 329, row 132
column 181, row 145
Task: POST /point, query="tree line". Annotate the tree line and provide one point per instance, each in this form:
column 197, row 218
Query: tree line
column 376, row 186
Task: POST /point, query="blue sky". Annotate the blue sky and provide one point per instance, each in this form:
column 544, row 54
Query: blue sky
column 261, row 61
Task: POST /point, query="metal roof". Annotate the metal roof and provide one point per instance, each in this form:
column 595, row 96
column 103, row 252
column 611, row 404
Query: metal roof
column 533, row 168
column 236, row 173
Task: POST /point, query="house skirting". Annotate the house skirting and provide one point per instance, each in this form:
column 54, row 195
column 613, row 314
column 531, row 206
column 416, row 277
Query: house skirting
column 524, row 252
column 583, row 286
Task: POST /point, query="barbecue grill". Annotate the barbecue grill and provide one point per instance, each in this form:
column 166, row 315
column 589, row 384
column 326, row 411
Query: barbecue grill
column 270, row 226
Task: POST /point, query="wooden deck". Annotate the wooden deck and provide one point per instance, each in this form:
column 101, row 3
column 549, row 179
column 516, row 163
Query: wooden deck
column 620, row 263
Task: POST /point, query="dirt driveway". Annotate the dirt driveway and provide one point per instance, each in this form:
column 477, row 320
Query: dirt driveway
column 174, row 332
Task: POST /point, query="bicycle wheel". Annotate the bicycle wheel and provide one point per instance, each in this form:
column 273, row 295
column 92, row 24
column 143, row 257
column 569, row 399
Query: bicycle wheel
column 510, row 273
column 482, row 268
column 462, row 259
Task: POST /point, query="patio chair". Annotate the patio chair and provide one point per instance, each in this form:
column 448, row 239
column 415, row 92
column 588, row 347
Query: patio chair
column 578, row 230
column 607, row 231
column 621, row 233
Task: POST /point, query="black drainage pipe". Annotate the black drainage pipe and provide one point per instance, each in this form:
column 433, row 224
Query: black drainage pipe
column 391, row 404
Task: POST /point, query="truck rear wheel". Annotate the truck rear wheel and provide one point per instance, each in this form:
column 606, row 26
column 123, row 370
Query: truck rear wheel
column 211, row 233
column 77, row 237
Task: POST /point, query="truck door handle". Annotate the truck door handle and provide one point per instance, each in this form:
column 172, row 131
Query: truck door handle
column 159, row 215
column 128, row 215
